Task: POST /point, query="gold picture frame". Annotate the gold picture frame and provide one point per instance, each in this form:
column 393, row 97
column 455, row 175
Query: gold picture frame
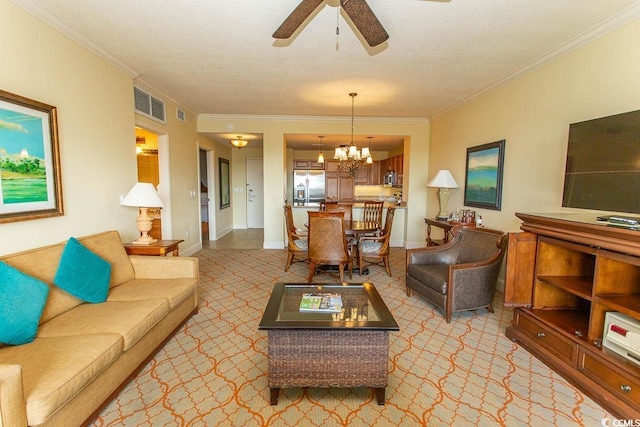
column 30, row 176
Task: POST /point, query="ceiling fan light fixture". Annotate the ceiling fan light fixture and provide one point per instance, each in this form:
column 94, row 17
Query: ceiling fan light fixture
column 239, row 143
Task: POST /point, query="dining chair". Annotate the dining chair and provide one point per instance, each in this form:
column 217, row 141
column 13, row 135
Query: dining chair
column 328, row 243
column 347, row 208
column 372, row 211
column 376, row 247
column 297, row 243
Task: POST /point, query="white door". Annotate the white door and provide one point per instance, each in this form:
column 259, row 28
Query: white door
column 255, row 193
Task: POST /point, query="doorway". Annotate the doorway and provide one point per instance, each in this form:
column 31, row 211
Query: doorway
column 149, row 171
column 255, row 193
column 204, row 194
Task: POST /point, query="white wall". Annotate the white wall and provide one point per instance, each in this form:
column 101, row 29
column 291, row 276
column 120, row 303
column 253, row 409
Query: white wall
column 533, row 114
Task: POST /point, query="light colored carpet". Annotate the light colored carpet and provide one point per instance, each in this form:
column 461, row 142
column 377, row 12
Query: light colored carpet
column 214, row 370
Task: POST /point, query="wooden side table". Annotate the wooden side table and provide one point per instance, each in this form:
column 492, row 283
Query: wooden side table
column 159, row 248
column 446, row 226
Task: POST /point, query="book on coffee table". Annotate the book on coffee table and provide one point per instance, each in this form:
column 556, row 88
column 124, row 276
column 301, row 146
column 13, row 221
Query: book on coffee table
column 321, row 303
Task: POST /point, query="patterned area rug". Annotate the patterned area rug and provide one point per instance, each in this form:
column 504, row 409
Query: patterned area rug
column 214, row 370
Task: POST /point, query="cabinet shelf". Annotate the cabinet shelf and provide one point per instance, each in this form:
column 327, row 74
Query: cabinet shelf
column 627, row 304
column 564, row 274
column 577, row 285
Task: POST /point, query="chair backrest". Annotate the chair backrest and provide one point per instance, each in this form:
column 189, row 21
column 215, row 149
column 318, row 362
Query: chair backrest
column 388, row 221
column 327, row 241
column 347, row 208
column 478, row 244
column 288, row 216
column 372, row 211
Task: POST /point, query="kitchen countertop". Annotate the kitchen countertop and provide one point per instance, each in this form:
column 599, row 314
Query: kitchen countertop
column 357, row 205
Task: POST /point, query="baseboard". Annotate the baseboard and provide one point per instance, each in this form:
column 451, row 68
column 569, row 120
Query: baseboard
column 273, row 245
column 191, row 249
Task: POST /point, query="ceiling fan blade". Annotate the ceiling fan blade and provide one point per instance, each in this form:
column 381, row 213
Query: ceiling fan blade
column 365, row 21
column 296, row 18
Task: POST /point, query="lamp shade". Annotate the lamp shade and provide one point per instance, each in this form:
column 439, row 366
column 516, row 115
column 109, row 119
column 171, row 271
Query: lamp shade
column 443, row 179
column 143, row 194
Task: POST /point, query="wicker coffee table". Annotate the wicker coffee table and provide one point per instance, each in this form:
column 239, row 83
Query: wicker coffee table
column 321, row 350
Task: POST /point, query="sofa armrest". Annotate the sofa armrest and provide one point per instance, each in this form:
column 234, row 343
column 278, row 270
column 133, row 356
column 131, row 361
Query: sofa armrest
column 153, row 267
column 13, row 408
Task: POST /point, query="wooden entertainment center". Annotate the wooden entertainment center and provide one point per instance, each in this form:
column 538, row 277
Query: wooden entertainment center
column 564, row 272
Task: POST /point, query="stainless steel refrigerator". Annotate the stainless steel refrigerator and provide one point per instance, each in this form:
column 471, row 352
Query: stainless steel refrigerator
column 308, row 187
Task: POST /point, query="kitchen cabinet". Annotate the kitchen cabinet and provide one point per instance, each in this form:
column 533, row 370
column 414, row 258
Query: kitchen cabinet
column 336, row 187
column 307, row 164
column 395, row 164
column 564, row 273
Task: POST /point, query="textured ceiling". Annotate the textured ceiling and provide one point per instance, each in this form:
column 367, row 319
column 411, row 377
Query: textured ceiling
column 218, row 57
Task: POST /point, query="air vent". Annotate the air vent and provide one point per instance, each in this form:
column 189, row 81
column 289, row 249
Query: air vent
column 180, row 115
column 148, row 105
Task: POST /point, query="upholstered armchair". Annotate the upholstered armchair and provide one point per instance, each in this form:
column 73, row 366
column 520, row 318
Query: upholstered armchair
column 461, row 274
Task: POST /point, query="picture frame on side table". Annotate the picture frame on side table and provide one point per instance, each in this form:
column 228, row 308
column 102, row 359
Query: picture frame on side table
column 30, row 176
column 483, row 176
column 225, row 192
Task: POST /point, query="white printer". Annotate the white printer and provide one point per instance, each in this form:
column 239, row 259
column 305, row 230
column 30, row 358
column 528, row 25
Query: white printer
column 622, row 335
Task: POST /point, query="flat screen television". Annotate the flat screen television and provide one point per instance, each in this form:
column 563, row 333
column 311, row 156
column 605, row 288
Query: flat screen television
column 603, row 164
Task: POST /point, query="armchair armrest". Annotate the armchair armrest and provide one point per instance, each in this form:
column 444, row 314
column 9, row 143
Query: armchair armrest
column 152, row 267
column 13, row 408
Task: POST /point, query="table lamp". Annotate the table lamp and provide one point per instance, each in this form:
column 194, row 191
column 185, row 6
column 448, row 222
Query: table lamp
column 144, row 196
column 444, row 181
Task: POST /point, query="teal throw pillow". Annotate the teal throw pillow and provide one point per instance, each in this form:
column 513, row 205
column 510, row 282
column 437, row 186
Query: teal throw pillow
column 22, row 300
column 82, row 273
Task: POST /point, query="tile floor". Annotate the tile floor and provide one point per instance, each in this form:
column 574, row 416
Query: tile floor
column 251, row 238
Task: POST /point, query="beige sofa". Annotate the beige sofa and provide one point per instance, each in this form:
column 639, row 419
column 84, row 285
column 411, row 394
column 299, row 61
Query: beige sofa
column 83, row 353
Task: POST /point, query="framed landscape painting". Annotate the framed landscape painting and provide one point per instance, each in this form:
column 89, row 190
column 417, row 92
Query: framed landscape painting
column 483, row 177
column 30, row 178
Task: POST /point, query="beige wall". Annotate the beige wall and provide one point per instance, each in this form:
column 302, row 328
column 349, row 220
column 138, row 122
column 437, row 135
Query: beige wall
column 96, row 121
column 223, row 217
column 533, row 114
column 274, row 154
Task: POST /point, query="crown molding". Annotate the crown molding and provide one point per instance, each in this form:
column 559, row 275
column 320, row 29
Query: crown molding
column 629, row 14
column 275, row 118
column 84, row 41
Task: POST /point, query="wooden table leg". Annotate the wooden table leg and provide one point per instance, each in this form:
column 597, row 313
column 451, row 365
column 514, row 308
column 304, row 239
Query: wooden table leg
column 275, row 392
column 380, row 395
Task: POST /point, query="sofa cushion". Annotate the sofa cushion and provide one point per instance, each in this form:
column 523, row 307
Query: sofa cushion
column 176, row 291
column 82, row 273
column 22, row 300
column 130, row 319
column 108, row 246
column 56, row 369
column 42, row 263
column 432, row 275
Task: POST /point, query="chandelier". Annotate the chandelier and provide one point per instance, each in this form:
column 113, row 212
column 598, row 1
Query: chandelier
column 352, row 161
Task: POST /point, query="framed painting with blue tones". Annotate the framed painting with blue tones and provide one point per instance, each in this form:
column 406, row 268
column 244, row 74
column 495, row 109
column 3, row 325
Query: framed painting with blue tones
column 30, row 178
column 483, row 176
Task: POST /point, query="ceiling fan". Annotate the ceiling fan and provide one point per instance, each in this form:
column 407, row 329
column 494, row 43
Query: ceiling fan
column 358, row 11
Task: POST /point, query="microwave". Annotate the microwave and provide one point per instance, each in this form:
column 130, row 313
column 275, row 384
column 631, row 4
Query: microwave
column 389, row 179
